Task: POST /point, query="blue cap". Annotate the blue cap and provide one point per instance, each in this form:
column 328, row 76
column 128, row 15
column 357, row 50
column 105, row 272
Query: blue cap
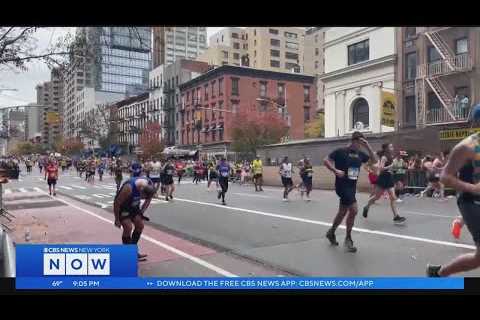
column 475, row 116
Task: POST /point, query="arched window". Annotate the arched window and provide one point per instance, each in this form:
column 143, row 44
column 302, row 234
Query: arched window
column 360, row 113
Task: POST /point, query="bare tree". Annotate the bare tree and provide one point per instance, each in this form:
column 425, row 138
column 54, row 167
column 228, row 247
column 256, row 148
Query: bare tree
column 99, row 125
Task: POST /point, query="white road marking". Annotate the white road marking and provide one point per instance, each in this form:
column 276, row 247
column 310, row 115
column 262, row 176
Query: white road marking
column 22, row 190
column 8, row 191
column 82, row 197
column 328, row 224
column 76, row 178
column 102, row 205
column 156, row 201
column 252, row 195
column 77, row 186
column 106, row 186
column 429, row 214
column 110, row 202
column 101, row 196
column 65, row 187
column 194, row 259
column 113, row 193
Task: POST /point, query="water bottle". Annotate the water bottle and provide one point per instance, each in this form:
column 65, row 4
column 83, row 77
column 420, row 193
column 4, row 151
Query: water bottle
column 27, row 235
column 456, row 228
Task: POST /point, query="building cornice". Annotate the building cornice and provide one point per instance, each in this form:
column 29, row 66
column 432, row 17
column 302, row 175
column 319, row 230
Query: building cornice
column 349, row 36
column 358, row 67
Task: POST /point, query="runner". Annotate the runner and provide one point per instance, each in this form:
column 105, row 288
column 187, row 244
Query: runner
column 168, row 171
column 63, row 164
column 307, row 177
column 399, row 168
column 51, row 175
column 128, row 213
column 155, row 170
column 257, row 173
column 385, row 183
column 212, row 175
column 462, row 173
column 90, row 175
column 223, row 169
column 28, row 164
column 345, row 163
column 180, row 167
column 118, row 174
column 434, row 168
column 285, row 171
column 101, row 169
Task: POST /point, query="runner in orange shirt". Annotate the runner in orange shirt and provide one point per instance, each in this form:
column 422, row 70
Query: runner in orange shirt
column 51, row 175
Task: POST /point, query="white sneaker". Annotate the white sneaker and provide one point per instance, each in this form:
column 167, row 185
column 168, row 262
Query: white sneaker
column 399, row 200
column 285, row 200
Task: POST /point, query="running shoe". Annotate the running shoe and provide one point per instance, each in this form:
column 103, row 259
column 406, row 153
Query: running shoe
column 224, row 203
column 171, row 197
column 365, row 212
column 166, row 198
column 399, row 220
column 219, row 195
column 349, row 247
column 432, row 271
column 399, row 200
column 54, row 193
column 456, row 228
column 285, row 200
column 331, row 237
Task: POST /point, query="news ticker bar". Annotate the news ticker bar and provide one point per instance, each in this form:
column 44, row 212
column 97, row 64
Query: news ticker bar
column 267, row 283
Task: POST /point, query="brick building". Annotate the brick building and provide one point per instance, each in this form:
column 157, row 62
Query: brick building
column 201, row 123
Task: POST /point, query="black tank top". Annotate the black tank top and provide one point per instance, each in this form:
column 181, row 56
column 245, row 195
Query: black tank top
column 387, row 163
column 470, row 172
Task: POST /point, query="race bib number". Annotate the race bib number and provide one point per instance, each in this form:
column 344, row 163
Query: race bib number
column 353, row 173
column 437, row 175
column 154, row 175
column 170, row 172
column 224, row 174
column 309, row 174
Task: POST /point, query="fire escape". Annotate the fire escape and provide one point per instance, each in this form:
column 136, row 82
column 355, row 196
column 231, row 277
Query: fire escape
column 432, row 75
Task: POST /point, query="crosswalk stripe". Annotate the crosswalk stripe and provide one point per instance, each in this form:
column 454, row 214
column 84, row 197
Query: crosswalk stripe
column 110, row 202
column 65, row 187
column 106, row 186
column 77, row 186
column 97, row 196
column 102, row 205
column 22, row 190
column 38, row 189
column 113, row 193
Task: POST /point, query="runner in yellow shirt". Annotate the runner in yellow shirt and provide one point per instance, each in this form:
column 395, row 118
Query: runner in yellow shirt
column 257, row 167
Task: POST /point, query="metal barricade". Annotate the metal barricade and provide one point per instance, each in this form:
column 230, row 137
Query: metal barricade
column 416, row 181
column 7, row 256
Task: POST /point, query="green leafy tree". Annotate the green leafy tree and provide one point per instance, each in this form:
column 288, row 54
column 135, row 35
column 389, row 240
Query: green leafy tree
column 315, row 128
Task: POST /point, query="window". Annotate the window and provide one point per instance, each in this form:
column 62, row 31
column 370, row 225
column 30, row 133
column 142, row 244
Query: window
column 281, row 90
column 234, row 35
column 306, row 114
column 214, row 135
column 220, row 135
column 188, row 95
column 358, row 52
column 273, row 31
column 206, row 92
column 236, row 56
column 316, row 51
column 213, row 88
column 433, row 102
column 360, row 113
column 224, row 63
column 275, row 63
column 254, row 53
column 291, row 55
column 316, row 64
column 410, row 32
column 235, row 89
column 291, row 35
column 291, row 45
column 254, row 32
column 411, row 66
column 220, row 87
column 213, row 111
column 236, row 45
column 433, row 54
column 225, row 54
column 306, row 94
column 461, row 46
column 263, row 89
column 254, row 42
column 220, row 106
column 274, row 53
column 245, row 46
column 289, row 66
column 410, row 111
column 316, row 38
column 222, row 37
column 274, row 42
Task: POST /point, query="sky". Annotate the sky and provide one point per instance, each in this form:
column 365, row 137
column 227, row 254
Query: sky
column 37, row 73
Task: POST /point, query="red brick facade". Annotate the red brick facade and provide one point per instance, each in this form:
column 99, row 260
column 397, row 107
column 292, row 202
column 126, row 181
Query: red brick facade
column 216, row 125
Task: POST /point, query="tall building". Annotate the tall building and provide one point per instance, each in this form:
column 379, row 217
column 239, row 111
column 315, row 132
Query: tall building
column 237, row 90
column 116, row 64
column 133, row 115
column 359, row 80
column 314, row 59
column 276, row 48
column 229, row 46
column 440, row 82
column 172, row 43
column 51, row 95
column 32, row 123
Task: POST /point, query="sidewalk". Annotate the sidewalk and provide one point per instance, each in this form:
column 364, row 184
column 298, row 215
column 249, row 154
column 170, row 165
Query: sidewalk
column 61, row 219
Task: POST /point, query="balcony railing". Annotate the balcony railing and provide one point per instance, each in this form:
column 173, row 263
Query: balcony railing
column 441, row 115
column 460, row 63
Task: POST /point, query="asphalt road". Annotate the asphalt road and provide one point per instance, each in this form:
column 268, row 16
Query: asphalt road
column 290, row 236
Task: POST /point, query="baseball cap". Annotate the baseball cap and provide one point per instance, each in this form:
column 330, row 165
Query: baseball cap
column 357, row 135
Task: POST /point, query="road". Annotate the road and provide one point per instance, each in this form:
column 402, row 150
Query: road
column 257, row 231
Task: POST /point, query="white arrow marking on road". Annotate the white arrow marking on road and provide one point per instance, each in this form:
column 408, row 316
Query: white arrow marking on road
column 329, row 224
column 102, row 205
column 22, row 190
column 194, row 259
column 64, row 187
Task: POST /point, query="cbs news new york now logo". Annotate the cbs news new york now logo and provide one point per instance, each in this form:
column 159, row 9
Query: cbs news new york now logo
column 76, row 261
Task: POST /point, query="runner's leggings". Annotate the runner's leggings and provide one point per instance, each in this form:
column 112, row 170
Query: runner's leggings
column 224, row 185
